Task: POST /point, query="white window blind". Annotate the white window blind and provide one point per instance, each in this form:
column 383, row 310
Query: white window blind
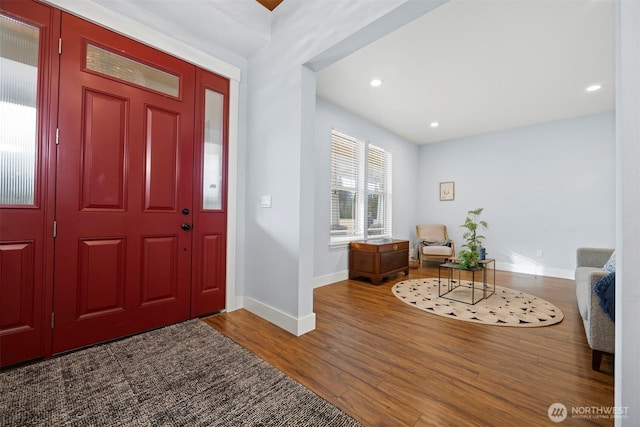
column 347, row 182
column 359, row 211
column 378, row 192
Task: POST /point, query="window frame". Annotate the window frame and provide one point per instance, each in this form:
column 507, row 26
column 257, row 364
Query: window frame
column 358, row 169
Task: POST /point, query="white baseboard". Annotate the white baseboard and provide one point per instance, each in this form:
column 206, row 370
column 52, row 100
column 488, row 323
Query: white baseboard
column 536, row 270
column 296, row 326
column 328, row 279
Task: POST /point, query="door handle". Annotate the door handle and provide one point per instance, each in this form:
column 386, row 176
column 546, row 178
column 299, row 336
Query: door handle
column 185, row 226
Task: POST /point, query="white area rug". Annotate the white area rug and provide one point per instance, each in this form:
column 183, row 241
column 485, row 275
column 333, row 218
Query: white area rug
column 507, row 307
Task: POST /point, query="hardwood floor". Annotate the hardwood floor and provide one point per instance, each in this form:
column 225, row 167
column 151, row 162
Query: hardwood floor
column 389, row 364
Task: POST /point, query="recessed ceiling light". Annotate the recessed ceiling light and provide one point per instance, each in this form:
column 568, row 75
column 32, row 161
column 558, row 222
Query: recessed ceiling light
column 376, row 82
column 434, row 124
column 593, row 88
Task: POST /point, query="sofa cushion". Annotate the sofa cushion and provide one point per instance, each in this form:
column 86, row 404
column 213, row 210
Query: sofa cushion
column 436, row 250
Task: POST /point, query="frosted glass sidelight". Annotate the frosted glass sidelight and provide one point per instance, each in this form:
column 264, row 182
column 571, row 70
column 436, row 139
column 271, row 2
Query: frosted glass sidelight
column 122, row 68
column 19, row 44
column 212, row 154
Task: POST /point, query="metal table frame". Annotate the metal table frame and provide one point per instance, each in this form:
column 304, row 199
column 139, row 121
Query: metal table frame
column 452, row 284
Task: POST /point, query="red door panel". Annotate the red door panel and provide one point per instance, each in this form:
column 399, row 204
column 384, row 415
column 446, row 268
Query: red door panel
column 103, row 144
column 159, row 270
column 123, row 260
column 161, row 166
column 210, row 233
column 213, row 268
column 16, row 268
column 26, row 238
column 101, row 277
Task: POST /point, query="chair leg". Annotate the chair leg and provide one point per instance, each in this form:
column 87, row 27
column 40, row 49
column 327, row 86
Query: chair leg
column 596, row 359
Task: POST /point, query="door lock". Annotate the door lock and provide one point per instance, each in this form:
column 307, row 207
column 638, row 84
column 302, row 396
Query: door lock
column 185, row 211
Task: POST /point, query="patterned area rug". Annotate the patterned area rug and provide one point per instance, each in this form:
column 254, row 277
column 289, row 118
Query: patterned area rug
column 507, row 307
column 186, row 374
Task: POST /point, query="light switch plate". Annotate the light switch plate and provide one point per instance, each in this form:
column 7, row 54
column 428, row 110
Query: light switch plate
column 265, row 202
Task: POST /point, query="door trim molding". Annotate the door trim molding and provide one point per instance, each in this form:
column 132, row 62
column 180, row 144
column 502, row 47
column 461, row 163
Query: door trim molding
column 232, row 195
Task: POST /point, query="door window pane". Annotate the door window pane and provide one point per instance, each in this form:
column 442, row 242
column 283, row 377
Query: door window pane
column 212, row 158
column 18, row 94
column 114, row 65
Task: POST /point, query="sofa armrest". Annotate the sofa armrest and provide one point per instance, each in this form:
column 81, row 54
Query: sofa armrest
column 593, row 257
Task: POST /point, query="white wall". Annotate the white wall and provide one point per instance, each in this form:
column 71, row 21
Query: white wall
column 557, row 178
column 279, row 252
column 627, row 368
column 548, row 187
column 331, row 264
column 279, row 248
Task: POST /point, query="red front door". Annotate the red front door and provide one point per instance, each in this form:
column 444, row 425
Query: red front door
column 28, row 60
column 124, row 190
column 121, row 226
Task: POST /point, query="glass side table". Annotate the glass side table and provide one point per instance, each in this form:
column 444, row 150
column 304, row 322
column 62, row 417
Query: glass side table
column 467, row 291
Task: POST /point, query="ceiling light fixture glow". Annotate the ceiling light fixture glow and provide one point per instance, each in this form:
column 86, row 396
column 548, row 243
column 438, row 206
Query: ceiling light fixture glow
column 593, row 88
column 376, row 82
column 434, row 124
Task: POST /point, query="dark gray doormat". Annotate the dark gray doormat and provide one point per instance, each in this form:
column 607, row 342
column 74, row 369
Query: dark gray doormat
column 186, row 374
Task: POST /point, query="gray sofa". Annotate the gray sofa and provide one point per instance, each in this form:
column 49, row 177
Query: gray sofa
column 599, row 328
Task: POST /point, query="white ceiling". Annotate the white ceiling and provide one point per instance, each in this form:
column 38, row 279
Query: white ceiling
column 475, row 66
column 481, row 66
column 239, row 27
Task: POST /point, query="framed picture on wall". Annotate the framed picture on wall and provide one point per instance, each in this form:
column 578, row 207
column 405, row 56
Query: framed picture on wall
column 447, row 190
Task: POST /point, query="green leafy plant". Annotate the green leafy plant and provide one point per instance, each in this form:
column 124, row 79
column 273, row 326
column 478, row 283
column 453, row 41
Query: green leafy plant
column 468, row 257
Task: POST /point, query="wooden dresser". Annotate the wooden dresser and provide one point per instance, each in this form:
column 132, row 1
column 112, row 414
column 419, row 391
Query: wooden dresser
column 378, row 258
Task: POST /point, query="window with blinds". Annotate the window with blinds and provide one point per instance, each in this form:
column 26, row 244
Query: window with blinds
column 359, row 210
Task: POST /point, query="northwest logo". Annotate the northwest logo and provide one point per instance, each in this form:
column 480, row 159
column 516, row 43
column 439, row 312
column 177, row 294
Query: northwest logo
column 557, row 412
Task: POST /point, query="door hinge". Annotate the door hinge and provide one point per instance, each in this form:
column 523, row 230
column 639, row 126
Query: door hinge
column 60, row 46
column 57, row 136
column 53, row 320
column 55, row 229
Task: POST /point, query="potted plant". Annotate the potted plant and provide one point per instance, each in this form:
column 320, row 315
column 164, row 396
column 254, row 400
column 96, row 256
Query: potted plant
column 469, row 257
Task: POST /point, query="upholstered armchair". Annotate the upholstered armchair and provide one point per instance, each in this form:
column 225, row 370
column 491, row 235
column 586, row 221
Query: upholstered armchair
column 434, row 242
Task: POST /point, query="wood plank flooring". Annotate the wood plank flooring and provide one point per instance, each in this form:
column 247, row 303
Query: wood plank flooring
column 388, row 364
